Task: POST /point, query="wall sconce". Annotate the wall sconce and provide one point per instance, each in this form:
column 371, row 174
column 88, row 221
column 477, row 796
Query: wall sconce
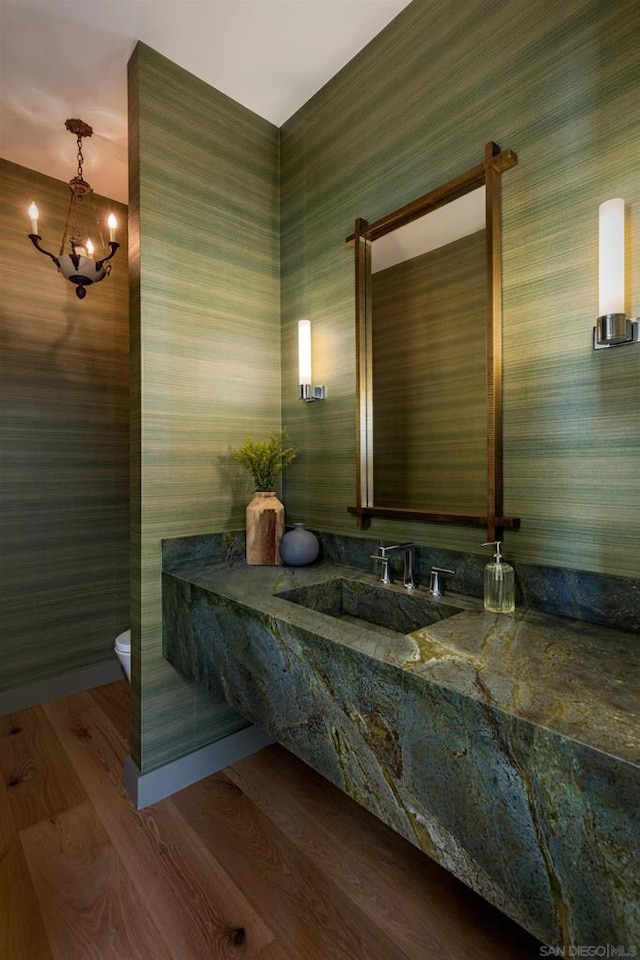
column 78, row 267
column 613, row 328
column 307, row 391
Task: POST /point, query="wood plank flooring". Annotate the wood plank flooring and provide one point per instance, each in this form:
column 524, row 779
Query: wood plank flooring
column 264, row 861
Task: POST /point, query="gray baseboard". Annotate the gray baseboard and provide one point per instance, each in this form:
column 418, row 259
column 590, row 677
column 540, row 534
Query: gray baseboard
column 147, row 788
column 64, row 686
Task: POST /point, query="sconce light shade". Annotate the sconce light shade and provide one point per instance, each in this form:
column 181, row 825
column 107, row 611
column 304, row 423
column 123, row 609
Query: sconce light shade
column 611, row 257
column 307, row 391
column 613, row 328
column 304, row 351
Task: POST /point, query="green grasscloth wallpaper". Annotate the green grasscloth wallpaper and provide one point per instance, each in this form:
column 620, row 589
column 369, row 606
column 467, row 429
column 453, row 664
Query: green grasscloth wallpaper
column 238, row 231
column 556, row 83
column 64, row 445
column 560, row 85
column 205, row 354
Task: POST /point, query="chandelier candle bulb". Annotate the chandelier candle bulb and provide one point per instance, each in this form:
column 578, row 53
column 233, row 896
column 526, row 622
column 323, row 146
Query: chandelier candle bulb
column 112, row 223
column 33, row 214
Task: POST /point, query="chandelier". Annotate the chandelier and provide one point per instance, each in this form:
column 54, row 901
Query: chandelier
column 78, row 266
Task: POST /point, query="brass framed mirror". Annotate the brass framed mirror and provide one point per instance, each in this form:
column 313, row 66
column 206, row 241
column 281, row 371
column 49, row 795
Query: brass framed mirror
column 429, row 355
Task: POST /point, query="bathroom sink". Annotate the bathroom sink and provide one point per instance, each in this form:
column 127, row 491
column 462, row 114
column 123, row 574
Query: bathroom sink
column 387, row 609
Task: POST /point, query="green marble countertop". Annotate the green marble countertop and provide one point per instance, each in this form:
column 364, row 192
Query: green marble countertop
column 576, row 678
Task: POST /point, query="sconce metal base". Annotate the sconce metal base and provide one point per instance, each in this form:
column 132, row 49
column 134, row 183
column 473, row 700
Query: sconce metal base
column 309, row 393
column 615, row 330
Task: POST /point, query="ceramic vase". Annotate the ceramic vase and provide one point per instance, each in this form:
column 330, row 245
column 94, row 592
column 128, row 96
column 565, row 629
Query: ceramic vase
column 299, row 546
column 265, row 529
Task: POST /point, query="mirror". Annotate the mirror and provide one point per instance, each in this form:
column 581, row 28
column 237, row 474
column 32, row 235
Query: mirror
column 428, row 324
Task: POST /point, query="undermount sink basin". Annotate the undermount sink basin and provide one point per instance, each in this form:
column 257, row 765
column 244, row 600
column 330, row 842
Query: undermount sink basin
column 372, row 605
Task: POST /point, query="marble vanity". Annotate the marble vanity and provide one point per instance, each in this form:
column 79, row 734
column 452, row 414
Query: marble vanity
column 506, row 748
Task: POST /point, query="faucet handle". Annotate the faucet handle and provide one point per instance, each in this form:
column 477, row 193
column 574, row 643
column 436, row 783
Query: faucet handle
column 434, row 582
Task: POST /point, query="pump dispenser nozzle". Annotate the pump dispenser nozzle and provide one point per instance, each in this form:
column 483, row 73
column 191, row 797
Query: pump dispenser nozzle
column 495, row 543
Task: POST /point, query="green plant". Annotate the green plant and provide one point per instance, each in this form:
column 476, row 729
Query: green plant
column 265, row 459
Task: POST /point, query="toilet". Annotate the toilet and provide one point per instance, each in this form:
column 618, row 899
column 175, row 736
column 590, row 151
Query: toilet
column 123, row 652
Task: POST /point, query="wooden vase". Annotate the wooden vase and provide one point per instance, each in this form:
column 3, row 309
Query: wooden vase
column 265, row 529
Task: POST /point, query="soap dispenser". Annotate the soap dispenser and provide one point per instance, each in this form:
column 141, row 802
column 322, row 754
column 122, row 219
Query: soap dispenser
column 499, row 583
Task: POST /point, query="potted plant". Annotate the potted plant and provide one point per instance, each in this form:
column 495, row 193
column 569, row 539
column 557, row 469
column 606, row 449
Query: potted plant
column 265, row 460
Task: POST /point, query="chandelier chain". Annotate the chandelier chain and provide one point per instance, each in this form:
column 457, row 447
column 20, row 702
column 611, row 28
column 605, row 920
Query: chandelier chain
column 78, row 185
column 80, row 157
column 66, row 224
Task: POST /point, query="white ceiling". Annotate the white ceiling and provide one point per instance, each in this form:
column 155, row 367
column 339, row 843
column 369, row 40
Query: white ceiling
column 67, row 58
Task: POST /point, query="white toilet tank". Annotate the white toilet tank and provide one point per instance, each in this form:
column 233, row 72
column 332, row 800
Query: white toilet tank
column 123, row 651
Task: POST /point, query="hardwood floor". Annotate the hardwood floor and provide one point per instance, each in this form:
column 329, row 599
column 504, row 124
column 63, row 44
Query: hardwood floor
column 264, row 861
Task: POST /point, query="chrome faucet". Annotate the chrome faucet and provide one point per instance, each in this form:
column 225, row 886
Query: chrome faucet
column 408, row 581
column 435, row 581
column 383, row 558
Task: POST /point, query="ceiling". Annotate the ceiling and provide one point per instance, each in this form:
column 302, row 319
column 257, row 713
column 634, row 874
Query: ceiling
column 65, row 58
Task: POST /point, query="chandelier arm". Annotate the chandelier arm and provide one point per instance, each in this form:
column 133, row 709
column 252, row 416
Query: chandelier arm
column 35, row 240
column 114, row 247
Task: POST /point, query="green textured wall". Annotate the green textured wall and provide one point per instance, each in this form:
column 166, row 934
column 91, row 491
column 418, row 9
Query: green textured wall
column 64, row 424
column 205, row 354
column 559, row 84
column 556, row 83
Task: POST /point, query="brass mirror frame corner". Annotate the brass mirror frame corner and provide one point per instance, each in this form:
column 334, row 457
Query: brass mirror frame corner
column 486, row 174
